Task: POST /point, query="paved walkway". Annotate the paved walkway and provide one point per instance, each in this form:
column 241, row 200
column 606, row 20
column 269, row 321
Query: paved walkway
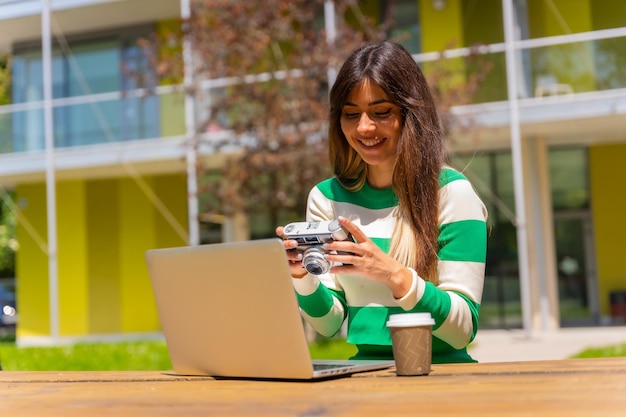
column 517, row 345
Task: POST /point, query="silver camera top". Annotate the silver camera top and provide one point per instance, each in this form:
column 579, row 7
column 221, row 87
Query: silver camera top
column 315, row 233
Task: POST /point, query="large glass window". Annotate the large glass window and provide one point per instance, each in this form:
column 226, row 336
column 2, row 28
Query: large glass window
column 610, row 61
column 578, row 66
column 406, row 28
column 84, row 69
column 573, row 236
column 569, row 179
column 492, row 176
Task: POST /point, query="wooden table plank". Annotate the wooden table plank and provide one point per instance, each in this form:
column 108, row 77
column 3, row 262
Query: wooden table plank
column 552, row 388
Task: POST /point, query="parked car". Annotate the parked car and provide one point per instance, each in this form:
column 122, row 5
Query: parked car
column 8, row 310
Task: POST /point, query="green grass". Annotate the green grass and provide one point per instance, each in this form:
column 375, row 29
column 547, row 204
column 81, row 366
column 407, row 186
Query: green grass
column 128, row 356
column 331, row 349
column 152, row 355
column 603, row 352
column 145, row 355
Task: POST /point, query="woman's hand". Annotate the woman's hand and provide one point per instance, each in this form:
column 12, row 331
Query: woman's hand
column 294, row 256
column 368, row 260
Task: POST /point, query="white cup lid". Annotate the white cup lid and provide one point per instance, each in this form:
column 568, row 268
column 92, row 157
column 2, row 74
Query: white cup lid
column 410, row 319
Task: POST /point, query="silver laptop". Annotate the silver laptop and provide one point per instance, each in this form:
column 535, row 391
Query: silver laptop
column 230, row 310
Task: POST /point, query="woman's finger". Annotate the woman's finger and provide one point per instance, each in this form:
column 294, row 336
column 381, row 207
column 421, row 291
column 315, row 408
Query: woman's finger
column 354, row 230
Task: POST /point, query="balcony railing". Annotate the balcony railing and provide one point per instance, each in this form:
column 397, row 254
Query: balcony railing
column 563, row 66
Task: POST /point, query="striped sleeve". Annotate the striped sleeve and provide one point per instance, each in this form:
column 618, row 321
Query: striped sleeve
column 462, row 254
column 455, row 299
column 322, row 306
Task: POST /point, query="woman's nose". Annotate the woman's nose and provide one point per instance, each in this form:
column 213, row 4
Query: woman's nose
column 365, row 124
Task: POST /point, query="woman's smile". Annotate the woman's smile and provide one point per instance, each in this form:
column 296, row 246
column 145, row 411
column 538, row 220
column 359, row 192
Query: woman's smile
column 370, row 143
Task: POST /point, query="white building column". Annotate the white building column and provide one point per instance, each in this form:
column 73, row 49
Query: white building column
column 544, row 296
column 190, row 134
column 51, row 201
column 511, row 40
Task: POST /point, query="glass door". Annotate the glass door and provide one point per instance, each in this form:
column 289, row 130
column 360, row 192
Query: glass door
column 578, row 297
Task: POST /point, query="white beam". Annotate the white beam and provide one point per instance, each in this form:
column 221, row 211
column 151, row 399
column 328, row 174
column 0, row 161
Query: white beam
column 190, row 129
column 517, row 158
column 53, row 280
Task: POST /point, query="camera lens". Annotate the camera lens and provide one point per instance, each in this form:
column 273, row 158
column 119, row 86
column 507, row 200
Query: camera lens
column 315, row 268
column 314, row 261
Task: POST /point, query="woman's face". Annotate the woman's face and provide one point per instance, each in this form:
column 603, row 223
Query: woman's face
column 372, row 123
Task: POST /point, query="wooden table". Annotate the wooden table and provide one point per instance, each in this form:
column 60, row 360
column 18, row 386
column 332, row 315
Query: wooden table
column 577, row 387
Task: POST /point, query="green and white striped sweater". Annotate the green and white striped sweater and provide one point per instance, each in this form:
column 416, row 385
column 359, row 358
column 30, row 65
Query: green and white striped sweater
column 454, row 302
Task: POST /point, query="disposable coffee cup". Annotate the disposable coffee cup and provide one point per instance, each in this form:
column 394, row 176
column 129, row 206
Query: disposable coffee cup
column 411, row 341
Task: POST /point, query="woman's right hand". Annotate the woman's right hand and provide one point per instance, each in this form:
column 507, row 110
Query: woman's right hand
column 294, row 256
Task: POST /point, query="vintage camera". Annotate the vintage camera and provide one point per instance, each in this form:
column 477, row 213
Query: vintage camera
column 310, row 237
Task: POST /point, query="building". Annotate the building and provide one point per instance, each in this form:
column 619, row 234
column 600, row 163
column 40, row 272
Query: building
column 551, row 117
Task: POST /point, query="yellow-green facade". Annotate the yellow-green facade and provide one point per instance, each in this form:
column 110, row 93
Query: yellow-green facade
column 105, row 224
column 104, row 227
column 608, row 222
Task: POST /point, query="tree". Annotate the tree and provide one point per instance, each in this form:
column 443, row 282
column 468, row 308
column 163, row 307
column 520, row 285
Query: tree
column 5, row 98
column 274, row 59
column 8, row 243
column 5, row 79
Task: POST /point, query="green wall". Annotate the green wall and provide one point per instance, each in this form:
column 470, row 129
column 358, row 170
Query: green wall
column 32, row 261
column 104, row 268
column 73, row 254
column 608, row 217
column 104, row 228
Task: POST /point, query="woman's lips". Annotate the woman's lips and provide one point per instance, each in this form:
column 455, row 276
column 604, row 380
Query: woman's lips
column 370, row 143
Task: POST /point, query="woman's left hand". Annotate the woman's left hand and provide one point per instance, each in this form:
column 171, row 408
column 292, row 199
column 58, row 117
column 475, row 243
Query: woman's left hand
column 368, row 260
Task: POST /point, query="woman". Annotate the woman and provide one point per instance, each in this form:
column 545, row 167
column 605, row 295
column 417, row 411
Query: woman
column 419, row 227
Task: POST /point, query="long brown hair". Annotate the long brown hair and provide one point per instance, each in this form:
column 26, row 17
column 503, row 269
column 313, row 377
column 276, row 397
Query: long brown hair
column 420, row 155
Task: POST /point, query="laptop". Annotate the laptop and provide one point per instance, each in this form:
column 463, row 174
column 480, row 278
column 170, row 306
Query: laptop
column 230, row 310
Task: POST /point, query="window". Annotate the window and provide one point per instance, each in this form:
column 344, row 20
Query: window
column 84, row 69
column 569, row 179
column 405, row 23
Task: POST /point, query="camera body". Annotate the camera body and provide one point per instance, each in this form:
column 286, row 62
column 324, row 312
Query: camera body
column 310, row 237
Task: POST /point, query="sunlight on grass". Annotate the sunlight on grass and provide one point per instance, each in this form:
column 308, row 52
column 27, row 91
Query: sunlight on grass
column 123, row 356
column 153, row 355
column 332, row 349
column 603, row 352
column 145, row 355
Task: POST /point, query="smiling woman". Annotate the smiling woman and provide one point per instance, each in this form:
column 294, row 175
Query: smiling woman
column 419, row 227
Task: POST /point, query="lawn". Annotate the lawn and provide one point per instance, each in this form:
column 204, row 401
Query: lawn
column 603, row 352
column 143, row 355
column 152, row 355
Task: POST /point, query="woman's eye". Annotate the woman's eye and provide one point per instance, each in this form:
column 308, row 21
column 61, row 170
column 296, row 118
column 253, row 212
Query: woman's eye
column 383, row 113
column 351, row 115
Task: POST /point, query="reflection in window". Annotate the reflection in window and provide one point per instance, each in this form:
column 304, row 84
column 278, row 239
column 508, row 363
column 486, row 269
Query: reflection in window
column 569, row 179
column 406, row 27
column 83, row 69
column 492, row 176
column 610, row 62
